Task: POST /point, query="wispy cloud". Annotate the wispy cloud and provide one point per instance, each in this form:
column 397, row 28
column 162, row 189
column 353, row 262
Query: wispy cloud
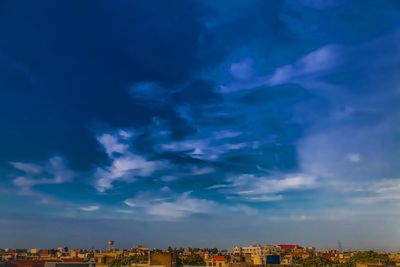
column 305, row 70
column 27, row 167
column 172, row 207
column 125, row 165
column 208, row 147
column 354, row 157
column 265, row 188
column 200, row 170
column 125, row 168
column 242, row 70
column 90, row 208
column 54, row 171
column 310, row 66
column 114, row 143
column 386, row 191
column 358, row 139
column 124, row 211
column 263, row 198
column 168, row 178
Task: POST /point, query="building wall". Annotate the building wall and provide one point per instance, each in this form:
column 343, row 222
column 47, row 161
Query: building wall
column 273, row 259
column 216, row 263
column 164, row 258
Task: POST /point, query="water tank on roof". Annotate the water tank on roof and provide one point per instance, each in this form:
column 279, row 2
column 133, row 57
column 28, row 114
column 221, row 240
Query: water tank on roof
column 273, row 259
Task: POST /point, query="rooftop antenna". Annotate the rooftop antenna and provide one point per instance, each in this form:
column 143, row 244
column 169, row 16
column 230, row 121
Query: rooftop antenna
column 340, row 246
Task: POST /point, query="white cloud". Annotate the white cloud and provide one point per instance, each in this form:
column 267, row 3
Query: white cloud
column 264, row 198
column 54, row 171
column 368, row 200
column 312, row 64
column 265, row 185
column 306, row 70
column 244, row 209
column 207, row 148
column 165, row 189
column 201, row 171
column 111, row 144
column 90, row 208
column 216, row 186
column 354, row 157
column 384, row 191
column 168, row 178
column 27, row 167
column 172, row 208
column 328, row 152
column 227, row 134
column 125, row 165
column 132, row 162
column 265, row 189
column 124, row 211
column 357, row 141
column 128, row 167
column 389, row 186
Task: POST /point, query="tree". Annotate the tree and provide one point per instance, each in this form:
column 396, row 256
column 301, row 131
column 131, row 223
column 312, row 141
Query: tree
column 368, row 257
column 194, row 259
column 316, row 261
column 126, row 261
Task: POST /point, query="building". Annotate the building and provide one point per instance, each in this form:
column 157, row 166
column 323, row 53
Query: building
column 104, row 259
column 272, row 249
column 272, row 259
column 25, row 263
column 70, row 264
column 249, row 254
column 218, row 261
column 289, row 247
column 166, row 259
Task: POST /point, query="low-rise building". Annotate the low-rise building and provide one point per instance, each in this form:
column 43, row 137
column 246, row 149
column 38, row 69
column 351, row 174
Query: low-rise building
column 218, row 261
column 70, row 264
column 106, row 258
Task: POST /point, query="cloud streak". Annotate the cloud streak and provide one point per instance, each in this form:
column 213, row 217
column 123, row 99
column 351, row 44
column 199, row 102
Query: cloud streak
column 90, row 208
column 125, row 166
column 172, row 208
column 52, row 172
column 252, row 188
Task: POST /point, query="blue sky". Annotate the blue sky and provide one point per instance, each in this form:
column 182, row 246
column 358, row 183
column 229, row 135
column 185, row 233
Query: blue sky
column 200, row 123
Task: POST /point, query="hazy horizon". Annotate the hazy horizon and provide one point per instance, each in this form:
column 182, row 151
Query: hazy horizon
column 200, row 123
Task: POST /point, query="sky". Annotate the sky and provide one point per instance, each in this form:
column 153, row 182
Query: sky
column 200, row 123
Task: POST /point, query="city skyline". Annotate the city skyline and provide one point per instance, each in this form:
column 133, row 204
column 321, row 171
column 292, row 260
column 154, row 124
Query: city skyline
column 115, row 247
column 200, row 123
